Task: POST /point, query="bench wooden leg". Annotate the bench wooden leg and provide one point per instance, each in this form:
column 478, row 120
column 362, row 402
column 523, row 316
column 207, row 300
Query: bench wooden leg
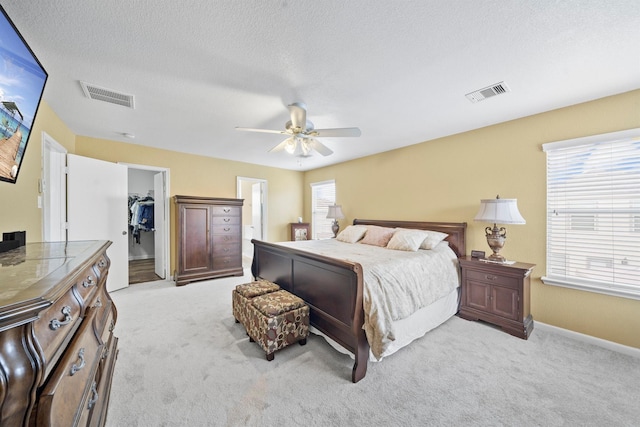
column 303, row 341
column 270, row 357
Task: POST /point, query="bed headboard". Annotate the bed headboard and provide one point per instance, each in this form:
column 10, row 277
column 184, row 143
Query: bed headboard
column 455, row 230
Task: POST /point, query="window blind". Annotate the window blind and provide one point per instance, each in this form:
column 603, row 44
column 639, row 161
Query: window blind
column 323, row 195
column 593, row 213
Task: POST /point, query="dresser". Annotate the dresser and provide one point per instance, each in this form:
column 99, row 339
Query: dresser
column 57, row 348
column 498, row 294
column 209, row 236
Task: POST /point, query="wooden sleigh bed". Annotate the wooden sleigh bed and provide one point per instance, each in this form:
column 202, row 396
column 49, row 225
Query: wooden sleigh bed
column 333, row 288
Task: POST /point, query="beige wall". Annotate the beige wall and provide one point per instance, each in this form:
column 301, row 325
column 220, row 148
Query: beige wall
column 204, row 176
column 19, row 207
column 444, row 180
column 440, row 180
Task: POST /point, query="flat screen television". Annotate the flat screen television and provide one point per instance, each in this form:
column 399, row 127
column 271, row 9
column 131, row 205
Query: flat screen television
column 22, row 80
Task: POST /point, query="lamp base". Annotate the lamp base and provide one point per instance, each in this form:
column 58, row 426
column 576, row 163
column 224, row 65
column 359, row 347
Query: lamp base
column 496, row 238
column 335, row 227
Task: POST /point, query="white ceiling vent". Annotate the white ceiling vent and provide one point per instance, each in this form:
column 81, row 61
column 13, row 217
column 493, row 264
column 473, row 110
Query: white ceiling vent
column 107, row 95
column 488, row 92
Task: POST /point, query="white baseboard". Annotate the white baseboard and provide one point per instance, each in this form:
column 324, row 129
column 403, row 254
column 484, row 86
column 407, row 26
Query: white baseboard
column 139, row 257
column 609, row 345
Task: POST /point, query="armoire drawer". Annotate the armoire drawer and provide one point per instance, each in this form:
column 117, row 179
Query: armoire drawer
column 225, row 229
column 226, row 211
column 225, row 262
column 226, row 249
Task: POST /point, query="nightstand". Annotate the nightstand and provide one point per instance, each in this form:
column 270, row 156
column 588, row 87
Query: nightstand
column 497, row 294
column 300, row 231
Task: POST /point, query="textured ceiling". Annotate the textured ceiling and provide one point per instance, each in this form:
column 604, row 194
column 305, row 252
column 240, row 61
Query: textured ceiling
column 399, row 70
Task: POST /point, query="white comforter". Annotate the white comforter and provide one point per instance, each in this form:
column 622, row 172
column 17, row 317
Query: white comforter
column 396, row 283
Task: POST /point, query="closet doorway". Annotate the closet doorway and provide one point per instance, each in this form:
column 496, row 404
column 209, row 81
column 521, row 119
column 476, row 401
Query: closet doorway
column 148, row 243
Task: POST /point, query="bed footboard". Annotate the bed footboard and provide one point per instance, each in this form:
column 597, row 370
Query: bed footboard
column 332, row 288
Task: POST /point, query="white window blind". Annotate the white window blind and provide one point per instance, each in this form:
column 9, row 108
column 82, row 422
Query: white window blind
column 323, row 195
column 593, row 213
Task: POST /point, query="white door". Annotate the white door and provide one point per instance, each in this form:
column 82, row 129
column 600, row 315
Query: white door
column 159, row 224
column 97, row 210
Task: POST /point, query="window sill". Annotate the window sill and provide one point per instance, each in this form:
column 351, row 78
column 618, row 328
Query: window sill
column 573, row 284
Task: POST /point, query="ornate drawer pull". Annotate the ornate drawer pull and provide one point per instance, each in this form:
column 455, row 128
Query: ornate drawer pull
column 98, row 303
column 55, row 324
column 75, row 368
column 489, row 277
column 226, row 249
column 227, row 209
column 94, row 396
column 226, row 219
column 112, row 326
column 227, row 229
column 88, row 282
column 102, row 263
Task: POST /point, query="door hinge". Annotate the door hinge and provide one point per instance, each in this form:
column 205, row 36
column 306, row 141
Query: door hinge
column 66, row 170
column 66, row 225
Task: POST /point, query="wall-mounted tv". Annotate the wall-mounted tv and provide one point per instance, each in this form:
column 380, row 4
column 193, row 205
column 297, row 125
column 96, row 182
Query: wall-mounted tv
column 22, row 80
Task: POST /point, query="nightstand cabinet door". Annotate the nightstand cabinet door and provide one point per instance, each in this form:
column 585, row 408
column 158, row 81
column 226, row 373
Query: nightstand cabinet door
column 497, row 294
column 478, row 295
column 504, row 302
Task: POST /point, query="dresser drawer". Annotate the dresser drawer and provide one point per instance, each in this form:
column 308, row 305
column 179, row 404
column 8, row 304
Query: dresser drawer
column 104, row 317
column 56, row 325
column 229, row 230
column 64, row 399
column 487, row 277
column 87, row 284
column 226, row 211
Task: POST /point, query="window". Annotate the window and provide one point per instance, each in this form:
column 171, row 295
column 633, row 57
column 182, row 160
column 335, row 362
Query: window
column 593, row 213
column 323, row 195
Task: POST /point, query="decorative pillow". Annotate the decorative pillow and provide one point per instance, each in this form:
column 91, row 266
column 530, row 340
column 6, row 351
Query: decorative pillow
column 432, row 240
column 407, row 240
column 352, row 233
column 377, row 236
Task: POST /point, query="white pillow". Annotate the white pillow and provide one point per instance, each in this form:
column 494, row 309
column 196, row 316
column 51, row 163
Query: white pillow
column 352, row 233
column 432, row 240
column 407, row 240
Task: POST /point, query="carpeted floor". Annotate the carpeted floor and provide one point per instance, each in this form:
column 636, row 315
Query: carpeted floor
column 183, row 361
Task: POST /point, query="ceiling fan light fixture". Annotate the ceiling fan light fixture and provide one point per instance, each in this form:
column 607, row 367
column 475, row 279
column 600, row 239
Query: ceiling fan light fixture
column 290, row 146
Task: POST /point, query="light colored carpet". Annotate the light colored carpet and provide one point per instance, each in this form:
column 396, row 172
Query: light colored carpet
column 183, row 361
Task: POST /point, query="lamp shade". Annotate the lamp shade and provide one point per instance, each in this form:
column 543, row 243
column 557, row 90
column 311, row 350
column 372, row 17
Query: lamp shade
column 499, row 211
column 335, row 212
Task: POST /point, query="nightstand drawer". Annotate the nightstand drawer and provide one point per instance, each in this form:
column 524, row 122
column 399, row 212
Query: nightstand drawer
column 487, row 277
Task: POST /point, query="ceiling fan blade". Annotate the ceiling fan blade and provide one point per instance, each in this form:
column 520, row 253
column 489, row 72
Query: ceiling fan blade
column 298, row 113
column 336, row 132
column 281, row 132
column 320, row 147
column 281, row 146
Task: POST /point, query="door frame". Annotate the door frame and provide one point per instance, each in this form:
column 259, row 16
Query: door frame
column 52, row 186
column 264, row 193
column 167, row 223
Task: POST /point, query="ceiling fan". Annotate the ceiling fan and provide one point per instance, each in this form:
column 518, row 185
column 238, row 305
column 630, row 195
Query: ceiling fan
column 302, row 135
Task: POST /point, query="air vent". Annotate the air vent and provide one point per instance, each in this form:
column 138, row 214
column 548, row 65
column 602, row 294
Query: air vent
column 107, row 95
column 488, row 92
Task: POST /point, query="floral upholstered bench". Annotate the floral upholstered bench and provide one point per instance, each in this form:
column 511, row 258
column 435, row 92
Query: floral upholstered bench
column 276, row 320
column 243, row 294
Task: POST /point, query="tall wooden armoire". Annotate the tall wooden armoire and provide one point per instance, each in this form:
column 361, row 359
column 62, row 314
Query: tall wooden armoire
column 209, row 233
